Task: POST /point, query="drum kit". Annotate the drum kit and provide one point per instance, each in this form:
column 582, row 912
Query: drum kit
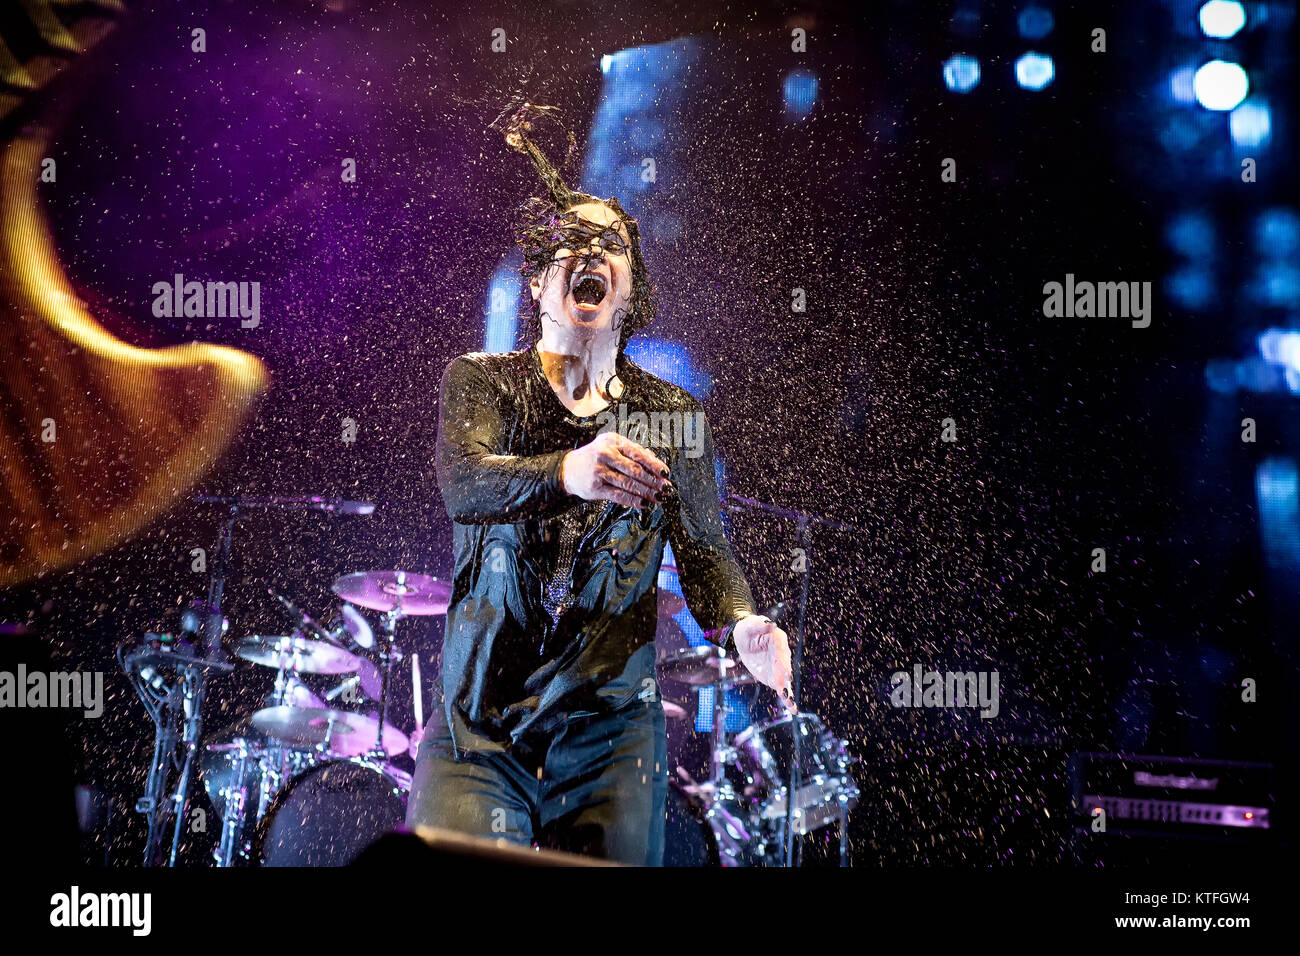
column 741, row 815
column 302, row 781
column 308, row 779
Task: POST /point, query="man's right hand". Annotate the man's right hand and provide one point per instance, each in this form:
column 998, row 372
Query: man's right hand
column 613, row 468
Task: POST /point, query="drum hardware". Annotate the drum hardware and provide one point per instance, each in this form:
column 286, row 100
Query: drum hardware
column 242, row 775
column 703, row 666
column 283, row 778
column 329, row 732
column 173, row 688
column 745, row 802
column 827, row 790
column 357, row 627
column 803, row 544
column 733, row 840
column 295, row 731
column 170, row 677
column 327, row 813
column 177, row 705
column 385, row 591
column 348, row 689
column 299, row 760
column 297, row 653
column 417, row 705
column 305, row 620
column 397, row 595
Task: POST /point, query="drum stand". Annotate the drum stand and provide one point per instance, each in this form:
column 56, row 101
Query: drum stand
column 177, row 707
column 803, row 540
column 391, row 654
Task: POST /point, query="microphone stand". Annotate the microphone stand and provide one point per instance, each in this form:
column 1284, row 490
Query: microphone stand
column 803, row 539
column 194, row 687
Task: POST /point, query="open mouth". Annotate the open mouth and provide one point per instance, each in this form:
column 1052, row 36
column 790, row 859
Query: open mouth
column 588, row 290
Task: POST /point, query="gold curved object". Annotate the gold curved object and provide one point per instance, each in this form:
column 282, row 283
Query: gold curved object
column 133, row 428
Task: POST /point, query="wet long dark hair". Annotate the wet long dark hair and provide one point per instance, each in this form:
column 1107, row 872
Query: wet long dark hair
column 540, row 229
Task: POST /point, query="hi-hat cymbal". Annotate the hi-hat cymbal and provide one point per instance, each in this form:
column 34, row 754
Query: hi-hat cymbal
column 337, row 731
column 297, row 653
column 415, row 594
column 356, row 626
column 701, row 666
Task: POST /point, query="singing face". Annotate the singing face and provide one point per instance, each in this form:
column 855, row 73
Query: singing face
column 588, row 283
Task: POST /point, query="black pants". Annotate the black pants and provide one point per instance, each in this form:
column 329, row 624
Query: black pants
column 598, row 786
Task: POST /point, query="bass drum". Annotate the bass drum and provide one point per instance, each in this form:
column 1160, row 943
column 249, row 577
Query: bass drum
column 331, row 812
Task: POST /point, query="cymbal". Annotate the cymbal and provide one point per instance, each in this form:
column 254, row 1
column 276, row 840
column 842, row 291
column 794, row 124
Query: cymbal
column 357, row 626
column 415, row 594
column 337, row 731
column 298, row 653
column 371, row 679
column 702, row 666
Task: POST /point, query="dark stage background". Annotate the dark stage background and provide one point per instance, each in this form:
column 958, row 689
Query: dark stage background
column 924, row 302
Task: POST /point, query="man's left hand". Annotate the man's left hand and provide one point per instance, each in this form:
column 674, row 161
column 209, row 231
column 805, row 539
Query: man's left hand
column 765, row 651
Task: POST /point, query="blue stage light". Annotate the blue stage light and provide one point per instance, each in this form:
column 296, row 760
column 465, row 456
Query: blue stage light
column 1035, row 22
column 961, row 73
column 1220, row 85
column 606, row 62
column 1277, row 232
column 1221, row 19
column 1191, row 234
column 800, row 91
column 671, row 362
column 1276, row 487
column 1190, row 287
column 1277, row 284
column 1280, row 347
column 1221, row 376
column 1035, row 71
column 1181, row 84
column 1250, row 124
column 502, row 313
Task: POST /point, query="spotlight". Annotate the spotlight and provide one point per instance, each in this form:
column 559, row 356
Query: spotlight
column 1221, row 19
column 606, row 62
column 1181, row 84
column 1035, row 22
column 800, row 90
column 1035, row 71
column 1277, row 284
column 1277, row 233
column 1280, row 347
column 502, row 318
column 1220, row 85
column 961, row 73
column 1250, row 124
column 1191, row 234
column 1191, row 287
